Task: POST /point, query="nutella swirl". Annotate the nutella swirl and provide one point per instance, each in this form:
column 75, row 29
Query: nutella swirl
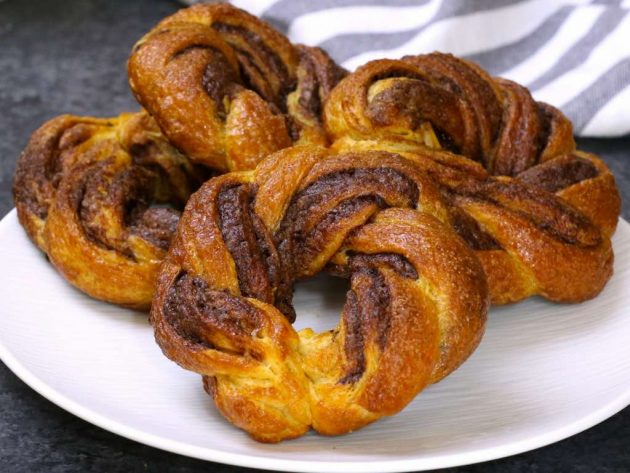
column 102, row 198
column 415, row 310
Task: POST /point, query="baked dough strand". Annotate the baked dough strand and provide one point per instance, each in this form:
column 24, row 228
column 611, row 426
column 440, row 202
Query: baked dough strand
column 415, row 310
column 227, row 89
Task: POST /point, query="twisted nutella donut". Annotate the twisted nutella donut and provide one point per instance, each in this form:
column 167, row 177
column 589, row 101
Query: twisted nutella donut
column 415, row 310
column 84, row 189
column 227, row 89
column 441, row 101
column 529, row 241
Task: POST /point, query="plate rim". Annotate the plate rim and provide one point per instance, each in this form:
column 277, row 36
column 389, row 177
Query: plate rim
column 278, row 464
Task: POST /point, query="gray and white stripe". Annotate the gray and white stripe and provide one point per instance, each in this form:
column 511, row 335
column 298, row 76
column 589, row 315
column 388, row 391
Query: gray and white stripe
column 574, row 54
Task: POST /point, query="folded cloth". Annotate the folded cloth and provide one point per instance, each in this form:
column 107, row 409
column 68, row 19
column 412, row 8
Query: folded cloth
column 573, row 54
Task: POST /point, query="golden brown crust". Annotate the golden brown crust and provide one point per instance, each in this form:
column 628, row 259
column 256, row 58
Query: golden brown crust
column 83, row 189
column 426, row 237
column 584, row 181
column 415, row 310
column 227, row 89
column 426, row 107
column 537, row 234
column 440, row 101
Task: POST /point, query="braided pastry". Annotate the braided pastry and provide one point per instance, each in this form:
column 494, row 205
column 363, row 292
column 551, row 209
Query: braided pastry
column 415, row 310
column 227, row 89
column 441, row 101
column 528, row 240
column 83, row 189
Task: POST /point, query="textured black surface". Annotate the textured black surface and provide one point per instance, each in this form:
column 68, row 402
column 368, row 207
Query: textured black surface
column 69, row 57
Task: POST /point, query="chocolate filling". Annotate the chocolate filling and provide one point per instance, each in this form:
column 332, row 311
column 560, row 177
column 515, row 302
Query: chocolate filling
column 249, row 243
column 473, row 88
column 208, row 319
column 446, row 140
column 518, row 143
column 396, row 72
column 309, row 99
column 102, row 188
column 366, row 310
column 375, row 186
column 314, row 241
column 354, row 340
column 468, row 228
column 256, row 79
column 156, row 225
column 394, row 261
column 559, row 173
column 545, row 117
column 219, row 80
column 317, row 75
column 41, row 163
column 540, row 208
column 125, row 196
column 233, row 34
column 417, row 101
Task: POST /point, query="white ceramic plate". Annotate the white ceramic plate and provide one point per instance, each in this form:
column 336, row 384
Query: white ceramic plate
column 542, row 373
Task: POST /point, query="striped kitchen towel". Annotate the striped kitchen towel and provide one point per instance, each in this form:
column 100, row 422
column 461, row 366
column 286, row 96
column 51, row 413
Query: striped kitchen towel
column 574, row 54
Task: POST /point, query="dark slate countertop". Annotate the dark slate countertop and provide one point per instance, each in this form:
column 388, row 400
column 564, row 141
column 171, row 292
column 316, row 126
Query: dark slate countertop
column 69, row 57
